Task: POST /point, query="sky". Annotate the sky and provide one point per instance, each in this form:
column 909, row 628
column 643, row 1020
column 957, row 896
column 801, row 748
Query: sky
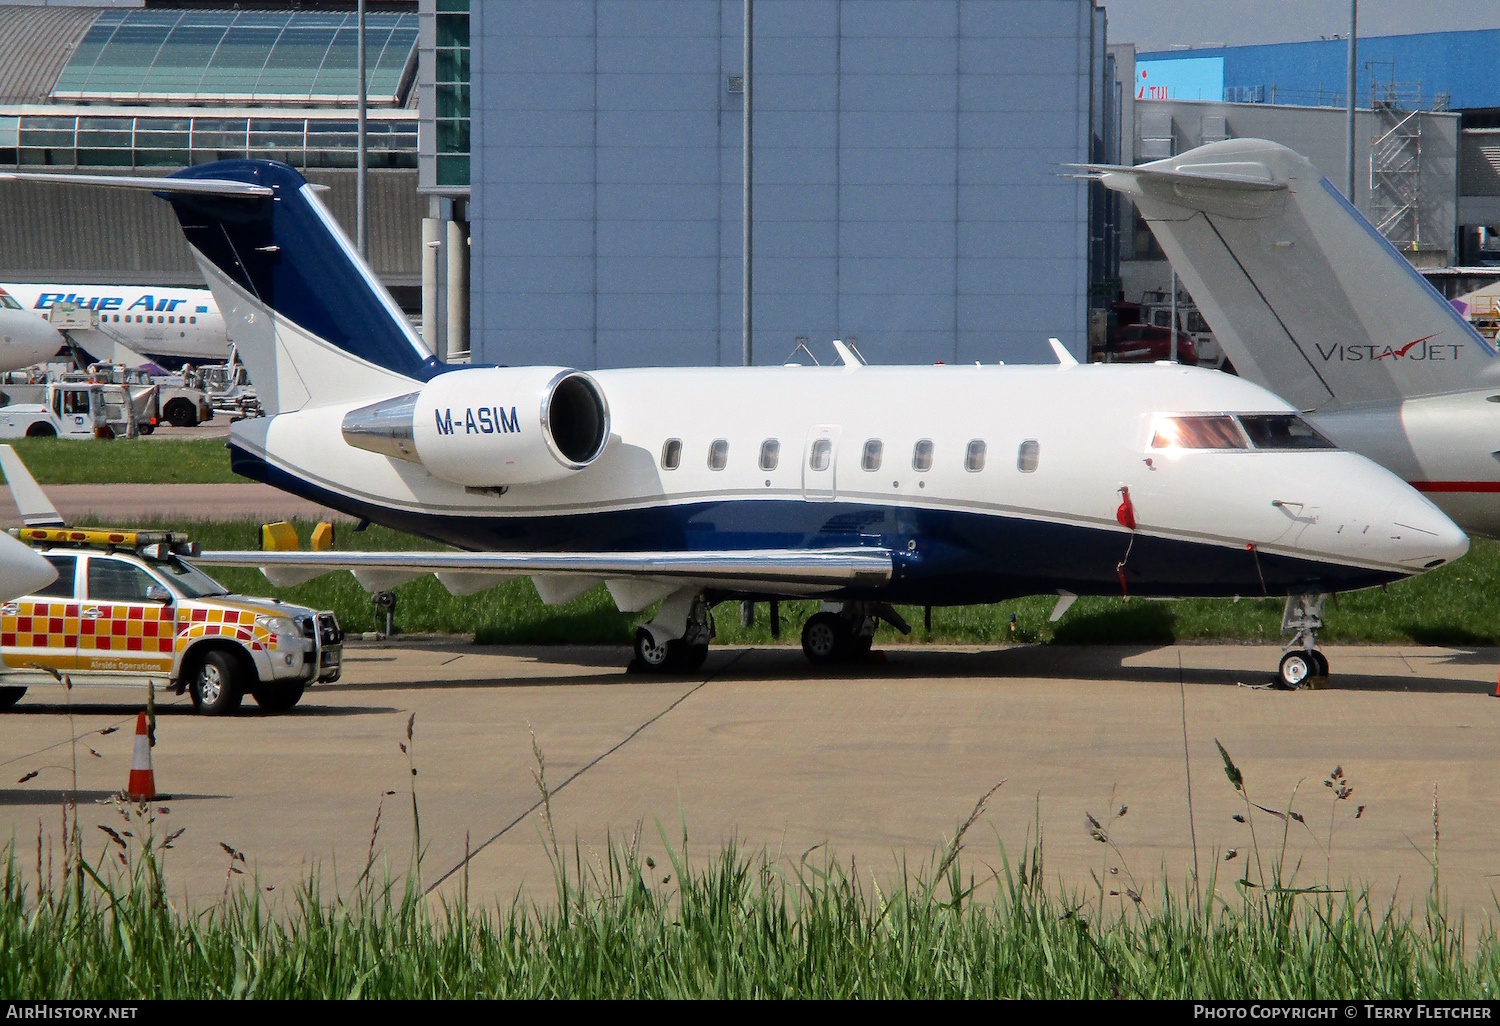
column 1162, row 24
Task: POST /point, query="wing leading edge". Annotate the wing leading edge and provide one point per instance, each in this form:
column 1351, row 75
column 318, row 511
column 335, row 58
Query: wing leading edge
column 635, row 579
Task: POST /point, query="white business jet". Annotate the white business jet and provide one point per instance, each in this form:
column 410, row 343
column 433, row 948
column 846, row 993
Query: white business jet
column 1309, row 300
column 862, row 486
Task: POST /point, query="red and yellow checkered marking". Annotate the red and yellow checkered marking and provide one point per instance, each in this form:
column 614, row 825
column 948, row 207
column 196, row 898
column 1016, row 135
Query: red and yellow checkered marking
column 239, row 624
column 118, row 636
column 39, row 625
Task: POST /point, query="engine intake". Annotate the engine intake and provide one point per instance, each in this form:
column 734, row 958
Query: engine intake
column 490, row 426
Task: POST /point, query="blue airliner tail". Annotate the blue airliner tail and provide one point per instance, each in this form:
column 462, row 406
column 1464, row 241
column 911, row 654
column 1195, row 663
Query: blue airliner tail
column 309, row 318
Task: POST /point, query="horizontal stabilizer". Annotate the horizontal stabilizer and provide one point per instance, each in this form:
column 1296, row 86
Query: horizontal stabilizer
column 200, row 186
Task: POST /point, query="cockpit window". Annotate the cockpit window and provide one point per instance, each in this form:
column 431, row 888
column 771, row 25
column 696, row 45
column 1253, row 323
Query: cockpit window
column 1283, row 431
column 1213, row 432
column 7, row 301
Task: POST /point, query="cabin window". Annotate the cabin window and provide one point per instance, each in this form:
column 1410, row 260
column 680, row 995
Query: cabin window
column 671, row 454
column 1028, row 456
column 770, row 454
column 194, row 320
column 974, row 456
column 1212, row 432
column 921, row 456
column 874, row 450
column 718, row 454
column 1282, row 431
column 822, row 454
column 150, row 319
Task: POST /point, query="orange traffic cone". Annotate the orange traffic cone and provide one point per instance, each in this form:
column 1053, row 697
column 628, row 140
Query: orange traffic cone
column 142, row 785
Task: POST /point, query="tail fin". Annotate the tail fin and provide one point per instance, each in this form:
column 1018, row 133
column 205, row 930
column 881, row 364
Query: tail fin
column 1306, row 297
column 31, row 502
column 311, row 322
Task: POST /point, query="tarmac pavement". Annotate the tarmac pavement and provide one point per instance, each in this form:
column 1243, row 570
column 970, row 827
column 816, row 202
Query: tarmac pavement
column 878, row 762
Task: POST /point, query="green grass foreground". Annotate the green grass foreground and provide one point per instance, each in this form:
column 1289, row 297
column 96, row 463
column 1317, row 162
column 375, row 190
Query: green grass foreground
column 127, row 461
column 1453, row 605
column 741, row 926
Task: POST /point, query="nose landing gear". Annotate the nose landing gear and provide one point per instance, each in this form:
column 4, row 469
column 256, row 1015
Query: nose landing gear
column 1302, row 665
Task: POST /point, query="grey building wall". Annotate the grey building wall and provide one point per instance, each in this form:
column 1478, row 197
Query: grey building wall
column 1318, row 134
column 128, row 237
column 907, row 179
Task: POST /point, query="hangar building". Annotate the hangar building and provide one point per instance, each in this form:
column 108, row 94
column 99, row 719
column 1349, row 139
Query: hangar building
column 146, row 91
column 908, row 166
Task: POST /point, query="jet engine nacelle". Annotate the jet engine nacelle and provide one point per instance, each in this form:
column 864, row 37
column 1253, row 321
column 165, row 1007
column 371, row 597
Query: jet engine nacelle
column 490, row 426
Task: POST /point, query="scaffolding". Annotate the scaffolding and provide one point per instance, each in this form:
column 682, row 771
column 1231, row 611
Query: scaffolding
column 1396, row 161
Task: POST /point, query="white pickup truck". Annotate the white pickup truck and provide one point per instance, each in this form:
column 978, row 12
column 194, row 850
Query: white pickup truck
column 72, row 410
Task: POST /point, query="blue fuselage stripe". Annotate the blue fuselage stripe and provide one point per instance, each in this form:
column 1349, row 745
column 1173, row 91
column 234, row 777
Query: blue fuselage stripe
column 943, row 557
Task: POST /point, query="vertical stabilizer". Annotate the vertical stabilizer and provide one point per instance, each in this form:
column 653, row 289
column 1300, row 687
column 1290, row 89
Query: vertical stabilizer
column 311, row 322
column 1304, row 295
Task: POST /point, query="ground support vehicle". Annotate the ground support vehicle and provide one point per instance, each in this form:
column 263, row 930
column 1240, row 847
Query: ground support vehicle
column 127, row 607
column 73, row 410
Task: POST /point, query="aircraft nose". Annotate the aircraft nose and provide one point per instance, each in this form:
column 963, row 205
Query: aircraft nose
column 22, row 571
column 1422, row 535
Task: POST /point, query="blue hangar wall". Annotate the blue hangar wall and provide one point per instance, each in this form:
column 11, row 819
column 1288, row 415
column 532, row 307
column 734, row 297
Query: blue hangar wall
column 907, row 185
column 1458, row 65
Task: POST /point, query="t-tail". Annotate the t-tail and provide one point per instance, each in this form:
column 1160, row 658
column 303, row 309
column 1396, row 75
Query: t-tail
column 312, row 323
column 1305, row 296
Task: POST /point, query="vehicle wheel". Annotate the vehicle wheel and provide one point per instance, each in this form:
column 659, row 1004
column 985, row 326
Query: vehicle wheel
column 651, row 655
column 10, row 696
column 41, row 431
column 1319, row 665
column 825, row 638
column 1296, row 667
column 215, row 685
column 147, row 429
column 859, row 648
column 275, row 698
column 181, row 414
column 688, row 658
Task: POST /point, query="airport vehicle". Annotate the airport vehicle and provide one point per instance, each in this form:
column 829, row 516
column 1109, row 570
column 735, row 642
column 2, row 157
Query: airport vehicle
column 863, row 486
column 168, row 325
column 1308, row 299
column 1148, row 343
column 24, row 340
column 1156, row 308
column 129, row 606
column 73, row 410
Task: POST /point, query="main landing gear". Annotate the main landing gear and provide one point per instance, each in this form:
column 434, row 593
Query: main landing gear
column 844, row 631
column 1302, row 665
column 676, row 639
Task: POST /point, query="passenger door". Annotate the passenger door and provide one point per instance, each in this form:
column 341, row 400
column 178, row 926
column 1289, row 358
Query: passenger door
column 122, row 630
column 820, row 463
column 42, row 629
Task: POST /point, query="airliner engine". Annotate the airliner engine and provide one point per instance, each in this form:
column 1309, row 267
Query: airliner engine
column 490, row 426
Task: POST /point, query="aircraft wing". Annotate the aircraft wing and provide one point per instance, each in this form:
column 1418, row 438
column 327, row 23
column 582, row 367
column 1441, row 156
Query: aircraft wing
column 635, row 579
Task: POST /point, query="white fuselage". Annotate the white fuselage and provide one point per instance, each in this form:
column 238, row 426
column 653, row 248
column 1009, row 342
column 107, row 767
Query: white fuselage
column 159, row 322
column 1093, row 429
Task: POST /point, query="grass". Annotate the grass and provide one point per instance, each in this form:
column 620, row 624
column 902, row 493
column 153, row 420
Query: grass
column 1453, row 605
column 740, row 925
column 127, row 461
